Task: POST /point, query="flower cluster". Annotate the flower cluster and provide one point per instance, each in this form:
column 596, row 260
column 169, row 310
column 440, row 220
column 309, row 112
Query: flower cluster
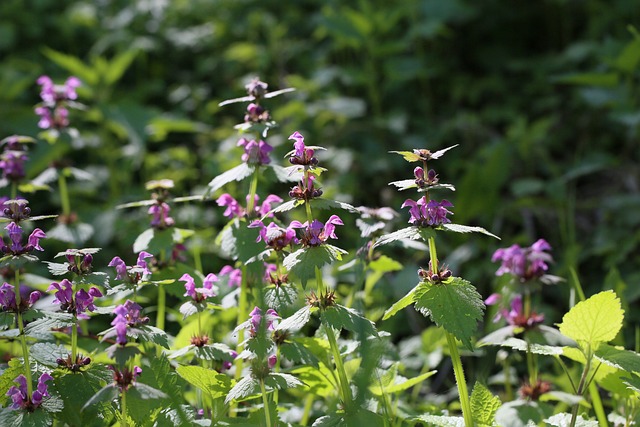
column 305, row 190
column 515, row 316
column 125, row 378
column 424, row 180
column 79, row 263
column 53, row 110
column 127, row 315
column 235, row 210
column 14, row 157
column 79, row 303
column 428, row 213
column 255, row 152
column 318, row 233
column 274, row 236
column 256, row 319
column 160, row 218
column 302, row 155
column 132, row 274
column 8, row 298
column 200, row 294
column 234, row 275
column 524, row 263
column 16, row 247
column 20, row 396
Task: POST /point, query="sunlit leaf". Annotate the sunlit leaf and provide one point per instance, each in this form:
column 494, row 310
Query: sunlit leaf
column 238, row 173
column 484, row 405
column 457, row 228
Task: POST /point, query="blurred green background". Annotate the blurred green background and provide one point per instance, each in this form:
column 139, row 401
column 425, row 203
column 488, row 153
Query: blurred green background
column 541, row 96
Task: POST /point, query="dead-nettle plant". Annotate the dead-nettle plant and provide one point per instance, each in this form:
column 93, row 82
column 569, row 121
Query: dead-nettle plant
column 450, row 302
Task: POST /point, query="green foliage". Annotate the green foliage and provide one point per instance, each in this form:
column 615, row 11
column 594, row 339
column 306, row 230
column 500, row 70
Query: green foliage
column 304, row 262
column 484, row 405
column 211, row 383
column 454, row 305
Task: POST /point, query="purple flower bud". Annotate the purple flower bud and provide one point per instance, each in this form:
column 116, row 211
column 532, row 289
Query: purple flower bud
column 524, row 263
column 272, row 360
column 121, row 267
column 34, row 239
column 235, row 275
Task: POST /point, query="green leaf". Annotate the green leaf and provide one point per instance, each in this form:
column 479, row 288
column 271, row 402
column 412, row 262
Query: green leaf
column 244, row 388
column 216, row 351
column 439, row 420
column 594, row 321
column 400, row 384
column 522, row 345
column 317, row 382
column 321, row 203
column 75, row 390
column 145, row 392
column 589, row 79
column 340, row 317
column 519, row 413
column 282, row 381
column 564, row 420
column 619, row 358
column 406, row 300
column 74, row 65
column 278, row 297
column 454, row 305
column 304, row 261
column 457, row 228
column 298, row 354
column 239, row 241
column 237, row 173
column 106, row 394
column 48, row 353
column 411, row 233
column 484, row 405
column 42, row 327
column 152, row 334
column 633, row 383
column 296, row 321
column 211, row 383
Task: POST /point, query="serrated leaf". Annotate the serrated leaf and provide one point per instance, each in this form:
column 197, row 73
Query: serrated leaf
column 304, row 261
column 455, row 306
column 57, row 269
column 238, row 173
column 457, row 228
column 215, row 351
column 244, row 388
column 284, row 207
column 210, row 382
column 321, row 203
column 410, row 233
column 239, row 241
column 299, row 355
column 619, row 358
column 522, row 345
column 440, row 420
column 400, row 384
column 282, row 381
column 146, row 392
column 75, row 390
column 594, row 321
column 152, row 334
column 633, row 383
column 484, row 405
column 190, row 308
column 317, row 381
column 77, row 233
column 341, row 317
column 122, row 354
column 106, row 394
column 42, row 327
column 48, row 353
column 564, row 420
column 279, row 297
column 296, row 321
column 406, row 300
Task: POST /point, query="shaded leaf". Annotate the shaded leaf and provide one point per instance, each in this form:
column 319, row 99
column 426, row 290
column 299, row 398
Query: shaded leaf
column 321, row 203
column 400, row 384
column 244, row 388
column 106, row 394
column 341, row 317
column 619, row 358
column 237, row 173
column 282, row 381
column 411, row 233
column 48, row 353
column 304, row 261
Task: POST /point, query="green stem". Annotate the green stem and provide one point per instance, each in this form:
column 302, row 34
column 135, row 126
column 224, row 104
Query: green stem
column 597, row 405
column 123, row 407
column 581, row 387
column 337, row 358
column 265, row 403
column 531, row 365
column 162, row 302
column 308, row 403
column 64, row 194
column 253, row 188
column 23, row 338
column 433, row 255
column 508, row 388
column 74, row 339
column 242, row 314
column 460, row 380
column 14, row 190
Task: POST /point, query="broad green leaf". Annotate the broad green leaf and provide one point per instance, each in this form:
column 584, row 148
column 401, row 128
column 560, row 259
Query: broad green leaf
column 321, row 203
column 304, row 261
column 239, row 241
column 484, row 405
column 411, row 233
column 633, row 383
column 42, row 327
column 210, row 382
column 564, row 420
column 298, row 354
column 296, row 321
column 522, row 345
column 152, row 334
column 400, row 384
column 457, row 228
column 47, row 353
column 340, row 317
column 594, row 321
column 281, row 381
column 74, row 65
column 279, row 297
column 106, row 394
column 439, row 420
column 620, row 358
column 216, row 351
column 317, row 382
column 75, row 390
column 406, row 300
column 384, row 264
column 238, row 173
column 244, row 388
column 146, row 392
column 454, row 305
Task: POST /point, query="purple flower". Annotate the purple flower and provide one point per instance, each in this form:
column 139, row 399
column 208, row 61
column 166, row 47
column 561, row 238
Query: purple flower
column 199, row 294
column 82, row 302
column 234, row 209
column 318, row 233
column 272, row 360
column 524, row 263
column 256, row 319
column 52, row 94
column 227, row 365
column 428, row 213
column 423, row 180
column 12, row 164
column 134, row 274
column 8, row 298
column 301, row 154
column 15, row 236
column 255, row 152
column 19, row 395
column 235, row 275
column 120, row 324
column 256, row 88
column 270, row 270
column 515, row 316
column 160, row 216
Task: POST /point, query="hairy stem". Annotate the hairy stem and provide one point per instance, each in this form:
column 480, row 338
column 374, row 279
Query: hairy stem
column 460, row 380
column 345, row 390
column 123, row 408
column 308, row 403
column 64, row 194
column 23, row 338
column 265, row 403
column 581, row 387
column 162, row 302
